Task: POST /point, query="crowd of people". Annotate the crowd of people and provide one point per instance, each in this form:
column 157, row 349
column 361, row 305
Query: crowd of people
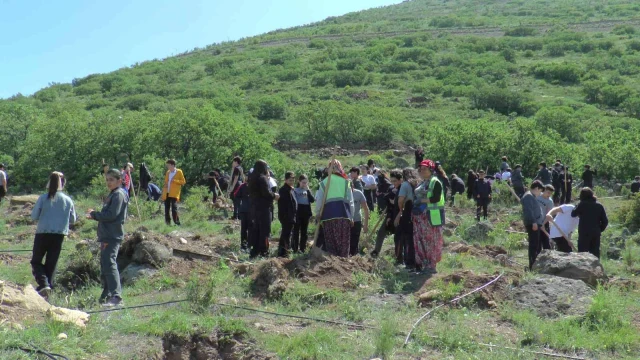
column 410, row 203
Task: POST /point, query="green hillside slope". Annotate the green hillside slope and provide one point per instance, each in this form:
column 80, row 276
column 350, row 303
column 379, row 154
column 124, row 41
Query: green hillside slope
column 469, row 80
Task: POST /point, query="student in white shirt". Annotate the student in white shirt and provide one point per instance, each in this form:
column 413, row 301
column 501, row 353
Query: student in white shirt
column 370, row 185
column 567, row 223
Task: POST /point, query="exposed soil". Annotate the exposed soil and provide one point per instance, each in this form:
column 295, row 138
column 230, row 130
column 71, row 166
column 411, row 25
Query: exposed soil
column 486, row 298
column 211, row 347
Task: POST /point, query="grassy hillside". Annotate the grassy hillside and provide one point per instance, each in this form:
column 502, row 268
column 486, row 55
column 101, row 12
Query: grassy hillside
column 469, row 80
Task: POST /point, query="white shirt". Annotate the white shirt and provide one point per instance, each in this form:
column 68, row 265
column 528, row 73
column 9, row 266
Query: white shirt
column 368, row 180
column 272, row 182
column 564, row 220
column 3, row 178
column 171, row 175
column 506, row 176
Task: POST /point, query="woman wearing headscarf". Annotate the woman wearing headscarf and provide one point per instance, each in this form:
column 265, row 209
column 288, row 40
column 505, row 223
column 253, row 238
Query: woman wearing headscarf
column 335, row 210
column 428, row 218
column 262, row 198
column 383, row 188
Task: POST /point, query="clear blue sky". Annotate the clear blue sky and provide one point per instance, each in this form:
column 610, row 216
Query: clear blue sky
column 56, row 41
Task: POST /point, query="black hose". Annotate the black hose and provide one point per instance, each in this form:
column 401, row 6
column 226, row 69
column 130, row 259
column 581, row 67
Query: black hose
column 47, row 354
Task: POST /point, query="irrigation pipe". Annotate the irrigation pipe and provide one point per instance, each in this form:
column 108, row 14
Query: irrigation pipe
column 406, row 341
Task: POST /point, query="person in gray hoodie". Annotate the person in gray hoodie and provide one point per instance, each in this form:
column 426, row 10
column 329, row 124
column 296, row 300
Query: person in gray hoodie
column 110, row 235
column 533, row 219
column 517, row 181
column 53, row 211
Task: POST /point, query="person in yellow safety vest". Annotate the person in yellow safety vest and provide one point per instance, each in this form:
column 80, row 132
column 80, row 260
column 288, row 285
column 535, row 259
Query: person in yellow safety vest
column 428, row 217
column 336, row 213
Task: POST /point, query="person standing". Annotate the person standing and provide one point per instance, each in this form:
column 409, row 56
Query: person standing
column 3, row 183
column 173, row 182
column 261, row 201
column 387, row 226
column 567, row 185
column 237, row 178
column 403, row 220
column 482, row 195
column 457, row 187
column 593, row 221
column 471, row 182
column 110, row 235
column 242, row 194
column 287, row 213
column 444, row 180
column 428, row 218
column 382, row 190
column 566, row 223
column 359, row 203
column 506, row 175
column 544, row 175
column 557, row 181
column 635, row 185
column 53, row 211
column 369, row 185
column 532, row 218
column 419, row 155
column 546, row 204
column 505, row 165
column 305, row 198
column 354, row 175
column 587, row 176
column 517, row 181
column 335, row 210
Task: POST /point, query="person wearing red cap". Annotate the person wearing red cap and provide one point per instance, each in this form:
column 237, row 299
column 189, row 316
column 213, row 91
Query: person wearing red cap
column 428, row 218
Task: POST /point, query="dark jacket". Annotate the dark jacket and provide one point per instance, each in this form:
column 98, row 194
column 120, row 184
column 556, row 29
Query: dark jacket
column 557, row 176
column 457, row 185
column 587, row 177
column 153, row 191
column 358, row 185
column 531, row 211
column 260, row 194
column 384, row 186
column 112, row 216
column 445, row 182
column 482, row 187
column 419, row 155
column 243, row 195
column 304, row 209
column 593, row 217
column 544, row 175
column 504, row 166
column 516, row 178
column 287, row 204
column 635, row 187
column 471, row 181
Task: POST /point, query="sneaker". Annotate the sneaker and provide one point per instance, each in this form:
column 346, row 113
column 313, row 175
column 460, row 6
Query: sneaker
column 114, row 302
column 44, row 291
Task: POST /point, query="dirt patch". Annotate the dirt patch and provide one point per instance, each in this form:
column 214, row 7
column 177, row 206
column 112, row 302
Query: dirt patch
column 329, row 271
column 486, row 298
column 9, row 259
column 216, row 345
column 271, row 279
column 491, row 251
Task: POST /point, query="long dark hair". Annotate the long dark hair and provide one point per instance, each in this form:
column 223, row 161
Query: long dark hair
column 260, row 168
column 54, row 184
column 410, row 175
column 586, row 194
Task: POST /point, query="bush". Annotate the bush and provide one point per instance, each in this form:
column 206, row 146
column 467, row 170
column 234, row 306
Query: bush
column 567, row 73
column 632, row 106
column 555, row 49
column 348, row 64
column 633, row 45
column 350, row 78
column 624, row 30
column 615, row 95
column 504, row 101
column 629, row 214
column 444, row 22
column 520, row 31
column 271, row 107
column 136, row 102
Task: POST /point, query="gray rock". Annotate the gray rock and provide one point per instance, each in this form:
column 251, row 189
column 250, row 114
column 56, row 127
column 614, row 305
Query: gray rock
column 134, row 272
column 479, row 232
column 577, row 266
column 181, row 234
column 552, row 296
column 614, row 253
column 152, row 253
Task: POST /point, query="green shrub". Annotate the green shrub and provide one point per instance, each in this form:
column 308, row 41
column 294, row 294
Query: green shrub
column 629, row 214
column 504, row 101
column 350, row 78
column 623, row 30
column 520, row 31
column 271, row 107
column 566, row 73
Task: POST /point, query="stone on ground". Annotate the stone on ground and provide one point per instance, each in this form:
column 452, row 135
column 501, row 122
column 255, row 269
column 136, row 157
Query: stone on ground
column 152, row 253
column 134, row 271
column 577, row 266
column 24, row 199
column 552, row 296
column 614, row 253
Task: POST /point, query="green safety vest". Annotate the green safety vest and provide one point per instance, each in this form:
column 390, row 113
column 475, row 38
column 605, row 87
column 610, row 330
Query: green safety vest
column 336, row 198
column 436, row 211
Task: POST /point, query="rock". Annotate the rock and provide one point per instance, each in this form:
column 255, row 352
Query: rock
column 614, row 253
column 23, row 200
column 83, row 244
column 62, row 336
column 148, row 252
column 181, row 234
column 134, row 272
column 625, row 232
column 578, row 266
column 618, row 241
column 429, row 296
column 502, row 259
column 479, row 232
column 552, row 296
column 400, row 163
column 184, row 241
column 617, row 187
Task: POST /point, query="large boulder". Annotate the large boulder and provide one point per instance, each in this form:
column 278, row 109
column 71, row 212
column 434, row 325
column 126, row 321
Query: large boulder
column 24, row 199
column 152, row 253
column 133, row 272
column 578, row 266
column 552, row 296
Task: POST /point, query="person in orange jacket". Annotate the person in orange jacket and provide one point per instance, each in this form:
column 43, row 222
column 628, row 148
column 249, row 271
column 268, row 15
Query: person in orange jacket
column 173, row 182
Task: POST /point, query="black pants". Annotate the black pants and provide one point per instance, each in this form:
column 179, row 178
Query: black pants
column 565, row 198
column 534, row 244
column 556, row 194
column 588, row 184
column 519, row 189
column 382, row 233
column 368, row 194
column 356, row 230
column 2, row 193
column 260, row 232
column 236, row 207
column 382, row 204
column 562, row 244
column 244, row 230
column 544, row 240
column 300, row 234
column 171, row 203
column 47, row 247
column 482, row 204
column 320, row 241
column 589, row 242
column 285, row 238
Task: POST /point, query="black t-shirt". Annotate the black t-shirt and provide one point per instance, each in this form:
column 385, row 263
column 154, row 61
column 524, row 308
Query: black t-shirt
column 239, row 174
column 211, row 181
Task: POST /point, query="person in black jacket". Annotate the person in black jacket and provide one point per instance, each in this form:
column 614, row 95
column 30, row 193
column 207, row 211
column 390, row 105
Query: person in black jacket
column 242, row 194
column 383, row 188
column 471, row 181
column 261, row 199
column 287, row 212
column 587, row 176
column 544, row 175
column 567, row 185
column 305, row 198
column 457, row 187
column 557, row 181
column 419, row 155
column 442, row 176
column 635, row 185
column 593, row 221
column 482, row 194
